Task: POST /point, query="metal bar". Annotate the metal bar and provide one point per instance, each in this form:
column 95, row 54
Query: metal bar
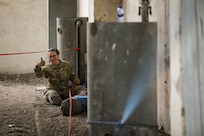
column 77, row 29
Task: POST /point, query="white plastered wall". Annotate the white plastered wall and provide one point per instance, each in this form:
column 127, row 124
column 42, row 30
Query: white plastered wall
column 23, row 28
column 176, row 86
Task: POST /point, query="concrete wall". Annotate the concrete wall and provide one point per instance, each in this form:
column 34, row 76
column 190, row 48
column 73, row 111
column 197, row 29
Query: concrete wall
column 160, row 13
column 56, row 9
column 23, row 28
column 29, row 33
column 176, row 100
column 192, row 48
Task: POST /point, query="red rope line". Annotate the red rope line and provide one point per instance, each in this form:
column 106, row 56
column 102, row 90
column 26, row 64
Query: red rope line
column 21, row 53
column 55, row 115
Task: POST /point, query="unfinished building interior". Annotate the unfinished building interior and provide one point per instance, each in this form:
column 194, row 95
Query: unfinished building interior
column 143, row 75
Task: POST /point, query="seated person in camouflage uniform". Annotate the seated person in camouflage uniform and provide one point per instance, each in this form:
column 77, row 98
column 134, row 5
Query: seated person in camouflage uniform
column 59, row 73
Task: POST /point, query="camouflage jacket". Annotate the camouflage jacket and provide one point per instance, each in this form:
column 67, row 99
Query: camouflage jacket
column 58, row 75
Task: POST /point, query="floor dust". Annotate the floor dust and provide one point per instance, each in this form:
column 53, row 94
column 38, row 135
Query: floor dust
column 24, row 112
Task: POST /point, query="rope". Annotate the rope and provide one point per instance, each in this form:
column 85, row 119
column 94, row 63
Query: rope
column 21, row 53
column 70, row 113
column 55, row 115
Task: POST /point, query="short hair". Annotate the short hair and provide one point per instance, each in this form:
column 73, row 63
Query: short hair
column 55, row 50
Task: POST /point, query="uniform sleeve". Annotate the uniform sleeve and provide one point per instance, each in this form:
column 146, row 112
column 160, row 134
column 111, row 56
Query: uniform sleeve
column 72, row 74
column 38, row 71
column 73, row 77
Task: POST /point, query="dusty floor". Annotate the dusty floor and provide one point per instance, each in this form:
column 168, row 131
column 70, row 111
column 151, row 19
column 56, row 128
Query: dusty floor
column 24, row 112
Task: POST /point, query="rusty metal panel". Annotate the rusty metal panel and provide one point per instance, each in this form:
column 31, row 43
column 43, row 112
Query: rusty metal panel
column 58, row 8
column 71, row 42
column 122, row 77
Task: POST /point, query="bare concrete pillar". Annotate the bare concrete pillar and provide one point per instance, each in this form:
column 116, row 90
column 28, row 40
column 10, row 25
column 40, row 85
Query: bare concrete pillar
column 62, row 8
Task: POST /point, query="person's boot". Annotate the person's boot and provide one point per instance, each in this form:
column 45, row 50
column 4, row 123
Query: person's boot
column 55, row 100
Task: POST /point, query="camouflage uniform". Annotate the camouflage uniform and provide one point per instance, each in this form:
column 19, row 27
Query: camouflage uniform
column 58, row 78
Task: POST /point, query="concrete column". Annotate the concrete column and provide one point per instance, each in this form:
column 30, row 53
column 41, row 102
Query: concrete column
column 176, row 97
column 192, row 65
column 83, row 8
column 64, row 8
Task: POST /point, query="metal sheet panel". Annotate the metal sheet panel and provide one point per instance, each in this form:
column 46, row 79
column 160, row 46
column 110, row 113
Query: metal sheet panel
column 58, row 8
column 71, row 36
column 121, row 63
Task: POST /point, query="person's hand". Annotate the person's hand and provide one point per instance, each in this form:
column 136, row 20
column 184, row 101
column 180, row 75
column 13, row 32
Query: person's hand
column 41, row 63
column 77, row 81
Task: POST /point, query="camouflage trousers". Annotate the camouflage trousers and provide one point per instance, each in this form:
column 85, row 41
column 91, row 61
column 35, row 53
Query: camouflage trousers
column 56, row 98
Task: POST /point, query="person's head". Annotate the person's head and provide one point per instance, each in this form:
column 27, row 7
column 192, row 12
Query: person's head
column 53, row 55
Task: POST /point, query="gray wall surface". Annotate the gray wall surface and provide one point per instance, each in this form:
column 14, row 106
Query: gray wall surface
column 193, row 65
column 59, row 8
column 176, row 88
column 23, row 28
